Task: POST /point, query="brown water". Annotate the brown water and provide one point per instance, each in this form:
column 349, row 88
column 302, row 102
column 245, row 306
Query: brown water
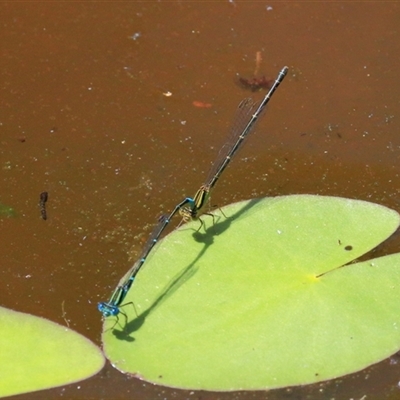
column 85, row 116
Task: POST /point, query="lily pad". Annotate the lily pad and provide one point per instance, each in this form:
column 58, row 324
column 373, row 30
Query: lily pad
column 265, row 297
column 38, row 354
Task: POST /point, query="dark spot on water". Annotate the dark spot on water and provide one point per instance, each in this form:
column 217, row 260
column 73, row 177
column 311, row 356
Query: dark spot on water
column 42, row 204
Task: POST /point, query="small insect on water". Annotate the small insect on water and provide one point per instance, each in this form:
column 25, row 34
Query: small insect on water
column 256, row 82
column 42, row 204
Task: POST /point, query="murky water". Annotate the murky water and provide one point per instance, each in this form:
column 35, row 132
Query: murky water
column 101, row 107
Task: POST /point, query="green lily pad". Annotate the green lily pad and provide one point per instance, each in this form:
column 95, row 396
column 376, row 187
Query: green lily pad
column 263, row 298
column 38, row 354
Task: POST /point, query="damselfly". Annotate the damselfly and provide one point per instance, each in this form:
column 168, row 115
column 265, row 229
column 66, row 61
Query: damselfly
column 245, row 119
